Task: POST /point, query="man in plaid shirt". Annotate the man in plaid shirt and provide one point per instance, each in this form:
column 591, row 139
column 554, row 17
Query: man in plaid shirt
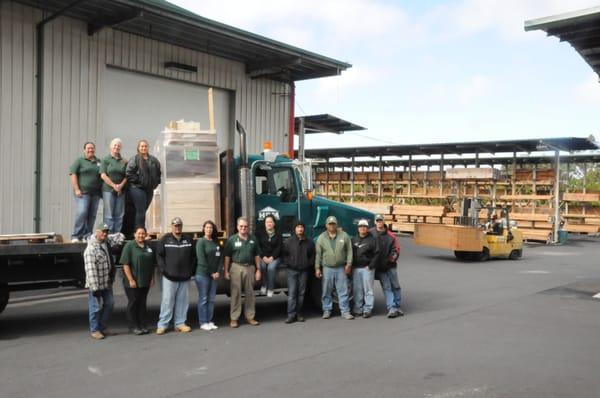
column 99, row 277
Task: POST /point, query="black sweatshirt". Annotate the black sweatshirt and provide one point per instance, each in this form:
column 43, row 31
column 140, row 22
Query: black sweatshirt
column 365, row 251
column 176, row 258
column 297, row 254
column 269, row 246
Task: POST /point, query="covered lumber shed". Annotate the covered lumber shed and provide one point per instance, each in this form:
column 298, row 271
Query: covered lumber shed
column 393, row 171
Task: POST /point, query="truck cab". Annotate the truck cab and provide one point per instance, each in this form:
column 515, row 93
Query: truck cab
column 283, row 188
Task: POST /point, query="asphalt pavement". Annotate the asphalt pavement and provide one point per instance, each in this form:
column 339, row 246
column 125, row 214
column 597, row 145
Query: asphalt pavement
column 526, row 328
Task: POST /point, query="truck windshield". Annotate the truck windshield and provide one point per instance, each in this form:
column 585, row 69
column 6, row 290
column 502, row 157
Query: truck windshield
column 278, row 181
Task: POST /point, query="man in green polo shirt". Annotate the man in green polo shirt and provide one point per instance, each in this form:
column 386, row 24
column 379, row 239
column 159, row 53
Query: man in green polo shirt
column 333, row 263
column 242, row 270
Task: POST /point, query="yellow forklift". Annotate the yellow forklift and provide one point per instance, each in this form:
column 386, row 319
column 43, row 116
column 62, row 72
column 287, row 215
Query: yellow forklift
column 471, row 240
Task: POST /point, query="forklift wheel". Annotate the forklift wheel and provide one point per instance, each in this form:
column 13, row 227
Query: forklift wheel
column 484, row 255
column 516, row 254
column 460, row 255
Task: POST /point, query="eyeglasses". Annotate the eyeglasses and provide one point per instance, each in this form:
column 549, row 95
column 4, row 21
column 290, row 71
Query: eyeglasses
column 242, row 226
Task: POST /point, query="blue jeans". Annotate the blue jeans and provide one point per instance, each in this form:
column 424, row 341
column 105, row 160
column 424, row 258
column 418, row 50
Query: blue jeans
column 99, row 309
column 362, row 287
column 114, row 209
column 175, row 301
column 391, row 288
column 335, row 277
column 296, row 281
column 86, row 208
column 269, row 272
column 141, row 199
column 207, row 290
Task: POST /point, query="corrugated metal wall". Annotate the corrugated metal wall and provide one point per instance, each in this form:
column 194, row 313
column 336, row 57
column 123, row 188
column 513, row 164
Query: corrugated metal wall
column 75, row 64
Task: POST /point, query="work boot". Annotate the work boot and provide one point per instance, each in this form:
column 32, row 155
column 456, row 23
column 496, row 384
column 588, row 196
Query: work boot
column 97, row 335
column 366, row 315
column 233, row 324
column 326, row 314
column 161, row 331
column 253, row 322
column 290, row 319
column 183, row 328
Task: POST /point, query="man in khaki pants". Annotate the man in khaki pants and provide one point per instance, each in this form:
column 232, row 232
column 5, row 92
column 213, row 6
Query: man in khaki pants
column 242, row 270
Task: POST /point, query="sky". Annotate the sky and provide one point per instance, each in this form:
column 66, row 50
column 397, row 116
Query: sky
column 426, row 71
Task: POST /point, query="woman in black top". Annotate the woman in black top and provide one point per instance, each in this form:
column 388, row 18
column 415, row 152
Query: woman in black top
column 143, row 176
column 269, row 241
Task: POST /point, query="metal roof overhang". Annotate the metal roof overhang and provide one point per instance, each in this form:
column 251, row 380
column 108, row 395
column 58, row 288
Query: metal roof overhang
column 165, row 22
column 491, row 161
column 581, row 29
column 325, row 123
column 567, row 144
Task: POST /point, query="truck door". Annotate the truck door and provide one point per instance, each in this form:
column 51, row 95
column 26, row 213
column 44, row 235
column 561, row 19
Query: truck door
column 277, row 193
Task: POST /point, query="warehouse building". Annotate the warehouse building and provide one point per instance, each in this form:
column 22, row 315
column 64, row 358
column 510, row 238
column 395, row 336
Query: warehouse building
column 124, row 68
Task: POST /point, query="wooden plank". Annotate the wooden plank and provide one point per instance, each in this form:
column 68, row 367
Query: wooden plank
column 451, row 237
column 529, row 216
column 479, row 173
column 525, row 197
column 582, row 228
column 581, row 197
column 539, row 235
column 403, row 227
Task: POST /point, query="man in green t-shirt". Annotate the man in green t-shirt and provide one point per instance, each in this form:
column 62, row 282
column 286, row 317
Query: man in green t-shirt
column 242, row 270
column 85, row 180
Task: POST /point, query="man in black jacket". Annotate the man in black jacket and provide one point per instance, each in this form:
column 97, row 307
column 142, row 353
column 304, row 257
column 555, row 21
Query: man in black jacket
column 386, row 272
column 176, row 259
column 364, row 258
column 299, row 258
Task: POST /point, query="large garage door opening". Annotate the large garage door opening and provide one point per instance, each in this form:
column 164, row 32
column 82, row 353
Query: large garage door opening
column 137, row 106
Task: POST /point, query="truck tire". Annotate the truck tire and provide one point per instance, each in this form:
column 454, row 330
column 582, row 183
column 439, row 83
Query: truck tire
column 4, row 295
column 314, row 292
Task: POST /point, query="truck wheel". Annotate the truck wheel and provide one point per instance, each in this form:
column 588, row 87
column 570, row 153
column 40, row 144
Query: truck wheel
column 4, row 295
column 484, row 255
column 516, row 254
column 314, row 292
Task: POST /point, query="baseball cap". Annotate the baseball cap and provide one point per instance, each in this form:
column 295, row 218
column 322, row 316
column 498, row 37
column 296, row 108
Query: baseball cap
column 363, row 223
column 102, row 227
column 176, row 221
column 331, row 220
column 378, row 217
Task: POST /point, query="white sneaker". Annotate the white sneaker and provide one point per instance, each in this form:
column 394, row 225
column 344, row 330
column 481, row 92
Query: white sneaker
column 213, row 326
column 206, row 326
column 263, row 290
column 269, row 293
column 75, row 240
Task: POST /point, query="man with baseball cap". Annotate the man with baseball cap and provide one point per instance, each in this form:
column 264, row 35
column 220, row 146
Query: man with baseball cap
column 385, row 269
column 333, row 263
column 100, row 270
column 176, row 259
column 364, row 258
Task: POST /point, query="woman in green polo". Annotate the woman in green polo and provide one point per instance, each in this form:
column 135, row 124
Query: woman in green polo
column 85, row 180
column 208, row 272
column 138, row 277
